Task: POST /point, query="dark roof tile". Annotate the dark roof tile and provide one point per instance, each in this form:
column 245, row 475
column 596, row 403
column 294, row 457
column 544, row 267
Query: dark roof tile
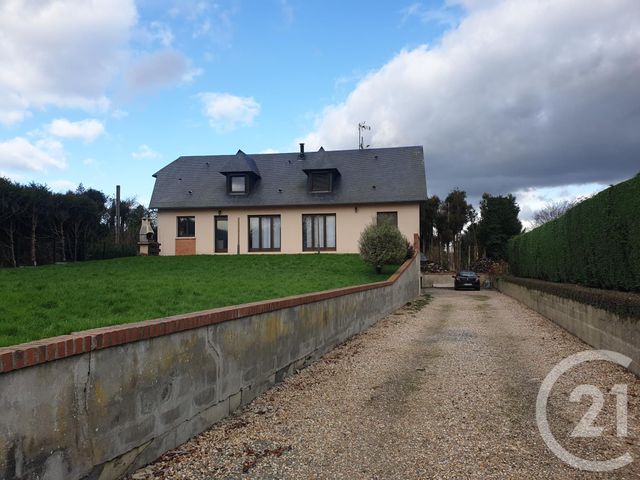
column 240, row 162
column 377, row 175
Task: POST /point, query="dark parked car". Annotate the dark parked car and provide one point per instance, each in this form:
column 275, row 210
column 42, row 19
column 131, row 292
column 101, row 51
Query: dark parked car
column 466, row 280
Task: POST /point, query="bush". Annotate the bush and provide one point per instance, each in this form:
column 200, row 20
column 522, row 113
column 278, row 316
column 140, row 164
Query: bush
column 596, row 243
column 382, row 244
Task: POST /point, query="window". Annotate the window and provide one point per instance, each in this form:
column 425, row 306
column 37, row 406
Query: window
column 237, row 184
column 186, row 226
column 390, row 217
column 321, row 182
column 319, row 232
column 222, row 233
column 264, row 233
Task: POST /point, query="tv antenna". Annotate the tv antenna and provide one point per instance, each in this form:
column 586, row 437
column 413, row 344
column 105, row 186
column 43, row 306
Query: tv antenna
column 361, row 127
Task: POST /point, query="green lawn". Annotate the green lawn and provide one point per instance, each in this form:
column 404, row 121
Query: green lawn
column 59, row 299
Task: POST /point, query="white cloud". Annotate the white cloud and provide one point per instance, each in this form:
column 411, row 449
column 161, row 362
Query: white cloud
column 444, row 15
column 87, row 130
column 269, row 150
column 520, row 94
column 15, row 177
column 158, row 32
column 160, row 69
column 211, row 21
column 119, row 114
column 13, row 107
column 202, row 29
column 531, row 200
column 226, row 112
column 190, row 74
column 144, row 151
column 192, row 10
column 62, row 185
column 20, row 154
column 88, row 37
column 163, row 33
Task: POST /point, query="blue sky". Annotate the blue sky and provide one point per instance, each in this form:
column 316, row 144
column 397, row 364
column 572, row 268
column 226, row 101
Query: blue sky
column 106, row 92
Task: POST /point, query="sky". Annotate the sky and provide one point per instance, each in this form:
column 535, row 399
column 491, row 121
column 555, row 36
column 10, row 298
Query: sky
column 540, row 98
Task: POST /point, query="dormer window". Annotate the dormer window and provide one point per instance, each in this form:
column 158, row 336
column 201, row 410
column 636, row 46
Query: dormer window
column 321, row 182
column 242, row 174
column 237, row 184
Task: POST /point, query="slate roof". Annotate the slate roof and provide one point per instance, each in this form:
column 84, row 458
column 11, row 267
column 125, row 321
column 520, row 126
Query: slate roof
column 240, row 162
column 376, row 175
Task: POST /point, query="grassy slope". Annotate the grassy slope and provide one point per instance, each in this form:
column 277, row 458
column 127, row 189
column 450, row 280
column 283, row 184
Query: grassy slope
column 58, row 299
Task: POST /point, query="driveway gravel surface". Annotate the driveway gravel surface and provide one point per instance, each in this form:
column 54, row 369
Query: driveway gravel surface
column 443, row 390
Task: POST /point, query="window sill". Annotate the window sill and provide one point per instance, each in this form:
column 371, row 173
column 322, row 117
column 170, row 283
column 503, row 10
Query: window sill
column 258, row 250
column 324, row 249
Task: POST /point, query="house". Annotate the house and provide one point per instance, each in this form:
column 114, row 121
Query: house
column 286, row 202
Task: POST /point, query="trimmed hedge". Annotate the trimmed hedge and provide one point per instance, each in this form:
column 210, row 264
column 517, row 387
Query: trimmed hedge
column 596, row 243
column 623, row 304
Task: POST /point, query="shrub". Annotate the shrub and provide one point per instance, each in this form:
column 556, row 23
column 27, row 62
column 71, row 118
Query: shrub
column 382, row 244
column 596, row 243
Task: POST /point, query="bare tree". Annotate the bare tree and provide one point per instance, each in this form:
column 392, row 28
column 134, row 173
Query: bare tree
column 553, row 210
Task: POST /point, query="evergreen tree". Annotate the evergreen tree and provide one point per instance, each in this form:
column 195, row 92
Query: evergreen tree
column 428, row 213
column 499, row 222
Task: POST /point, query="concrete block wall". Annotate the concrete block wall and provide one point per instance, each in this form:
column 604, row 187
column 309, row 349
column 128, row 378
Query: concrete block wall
column 599, row 328
column 101, row 403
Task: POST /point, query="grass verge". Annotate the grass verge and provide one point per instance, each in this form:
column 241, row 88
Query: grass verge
column 419, row 303
column 55, row 300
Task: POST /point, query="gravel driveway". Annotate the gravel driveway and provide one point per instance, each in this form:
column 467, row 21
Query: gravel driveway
column 446, row 391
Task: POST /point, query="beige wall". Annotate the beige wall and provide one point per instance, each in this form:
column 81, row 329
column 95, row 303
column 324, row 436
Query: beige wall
column 350, row 221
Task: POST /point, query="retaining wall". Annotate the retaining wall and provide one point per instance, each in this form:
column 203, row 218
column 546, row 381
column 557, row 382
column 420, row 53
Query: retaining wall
column 101, row 403
column 597, row 327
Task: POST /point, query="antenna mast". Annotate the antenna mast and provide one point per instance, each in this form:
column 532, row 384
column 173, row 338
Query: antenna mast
column 361, row 127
